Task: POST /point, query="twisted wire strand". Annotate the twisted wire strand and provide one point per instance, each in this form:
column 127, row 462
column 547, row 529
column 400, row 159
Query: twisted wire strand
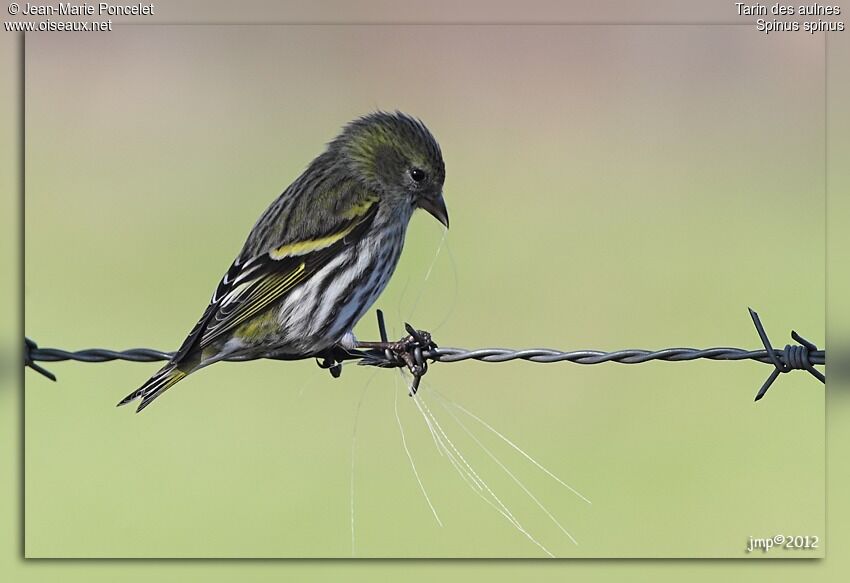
column 419, row 349
column 539, row 355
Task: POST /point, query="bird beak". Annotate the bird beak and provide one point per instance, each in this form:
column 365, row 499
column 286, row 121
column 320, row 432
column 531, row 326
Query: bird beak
column 436, row 207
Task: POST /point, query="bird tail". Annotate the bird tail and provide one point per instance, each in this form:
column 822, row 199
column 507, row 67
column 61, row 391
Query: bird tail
column 155, row 386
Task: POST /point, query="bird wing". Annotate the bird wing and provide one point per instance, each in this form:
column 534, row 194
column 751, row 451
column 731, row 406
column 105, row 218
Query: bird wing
column 252, row 285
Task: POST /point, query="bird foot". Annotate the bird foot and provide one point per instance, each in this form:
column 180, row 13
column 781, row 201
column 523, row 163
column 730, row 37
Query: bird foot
column 332, row 364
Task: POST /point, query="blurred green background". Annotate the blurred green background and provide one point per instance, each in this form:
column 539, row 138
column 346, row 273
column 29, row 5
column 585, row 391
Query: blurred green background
column 608, row 187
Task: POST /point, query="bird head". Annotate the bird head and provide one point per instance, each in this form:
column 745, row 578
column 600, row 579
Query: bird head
column 397, row 157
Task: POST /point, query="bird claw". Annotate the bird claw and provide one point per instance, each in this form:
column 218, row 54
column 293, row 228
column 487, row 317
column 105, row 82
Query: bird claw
column 332, row 364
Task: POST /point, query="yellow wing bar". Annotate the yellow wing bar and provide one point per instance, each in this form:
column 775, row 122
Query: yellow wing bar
column 304, row 247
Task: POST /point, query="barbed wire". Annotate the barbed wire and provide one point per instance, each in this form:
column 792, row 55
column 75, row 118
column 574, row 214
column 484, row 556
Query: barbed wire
column 417, row 349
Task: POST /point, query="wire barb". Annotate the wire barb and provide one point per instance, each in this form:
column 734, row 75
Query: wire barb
column 418, row 348
column 29, row 348
column 408, row 352
column 793, row 357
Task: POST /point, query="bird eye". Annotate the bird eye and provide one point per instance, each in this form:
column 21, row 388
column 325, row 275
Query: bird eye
column 417, row 174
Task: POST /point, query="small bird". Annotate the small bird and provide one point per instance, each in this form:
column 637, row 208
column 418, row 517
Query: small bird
column 321, row 253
